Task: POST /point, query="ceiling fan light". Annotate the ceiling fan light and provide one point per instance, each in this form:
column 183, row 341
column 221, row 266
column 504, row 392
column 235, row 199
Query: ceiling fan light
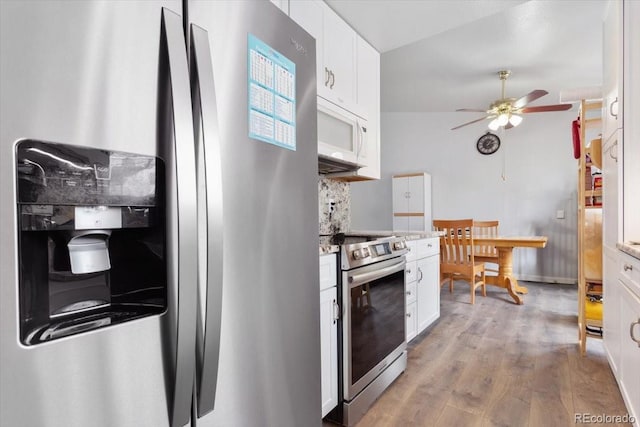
column 515, row 120
column 503, row 119
column 493, row 125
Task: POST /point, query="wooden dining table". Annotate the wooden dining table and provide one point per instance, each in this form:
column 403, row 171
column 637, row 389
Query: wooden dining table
column 505, row 246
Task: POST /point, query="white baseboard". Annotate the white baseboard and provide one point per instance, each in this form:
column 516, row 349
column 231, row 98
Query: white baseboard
column 547, row 279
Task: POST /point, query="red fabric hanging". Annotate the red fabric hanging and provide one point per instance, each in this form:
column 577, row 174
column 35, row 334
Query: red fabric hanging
column 575, row 128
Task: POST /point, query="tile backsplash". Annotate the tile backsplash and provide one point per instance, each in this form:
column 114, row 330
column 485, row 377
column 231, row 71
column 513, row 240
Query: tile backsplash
column 338, row 192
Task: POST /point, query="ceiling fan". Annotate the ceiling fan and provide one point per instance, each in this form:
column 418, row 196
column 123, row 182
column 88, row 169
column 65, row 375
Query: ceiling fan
column 507, row 111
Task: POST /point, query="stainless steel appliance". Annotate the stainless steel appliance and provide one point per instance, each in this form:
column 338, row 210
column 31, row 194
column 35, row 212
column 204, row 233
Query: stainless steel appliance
column 373, row 344
column 342, row 136
column 140, row 162
column 76, row 207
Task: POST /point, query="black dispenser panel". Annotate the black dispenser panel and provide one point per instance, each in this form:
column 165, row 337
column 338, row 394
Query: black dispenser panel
column 92, row 238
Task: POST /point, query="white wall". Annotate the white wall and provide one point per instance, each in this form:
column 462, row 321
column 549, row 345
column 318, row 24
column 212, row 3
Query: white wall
column 540, row 176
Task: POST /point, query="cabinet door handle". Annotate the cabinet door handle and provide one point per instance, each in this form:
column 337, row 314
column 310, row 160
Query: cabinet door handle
column 628, row 267
column 421, row 275
column 408, row 314
column 408, row 271
column 327, row 76
column 336, row 311
column 408, row 292
column 333, row 79
column 360, row 136
column 429, row 245
column 611, row 152
column 614, row 102
column 633, row 338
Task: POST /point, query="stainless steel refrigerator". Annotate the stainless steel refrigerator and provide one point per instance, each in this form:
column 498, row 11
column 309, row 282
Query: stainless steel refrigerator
column 159, row 215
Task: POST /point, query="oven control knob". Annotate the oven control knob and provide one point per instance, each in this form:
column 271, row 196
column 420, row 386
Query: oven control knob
column 398, row 245
column 360, row 253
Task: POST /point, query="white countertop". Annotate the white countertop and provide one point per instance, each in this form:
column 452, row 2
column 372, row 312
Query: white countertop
column 409, row 235
column 631, row 249
column 329, row 249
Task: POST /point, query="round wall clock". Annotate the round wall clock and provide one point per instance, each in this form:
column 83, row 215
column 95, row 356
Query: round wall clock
column 488, row 143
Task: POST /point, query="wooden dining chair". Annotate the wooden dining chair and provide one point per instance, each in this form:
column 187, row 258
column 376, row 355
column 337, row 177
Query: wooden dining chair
column 486, row 253
column 457, row 255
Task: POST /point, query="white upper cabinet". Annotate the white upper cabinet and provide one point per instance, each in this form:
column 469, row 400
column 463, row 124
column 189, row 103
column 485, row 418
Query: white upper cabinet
column 335, row 50
column 631, row 131
column 612, row 102
column 368, row 98
column 309, row 15
column 348, row 76
column 283, row 5
column 339, row 61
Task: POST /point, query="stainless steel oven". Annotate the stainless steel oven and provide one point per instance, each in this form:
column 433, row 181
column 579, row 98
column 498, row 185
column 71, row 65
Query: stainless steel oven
column 373, row 345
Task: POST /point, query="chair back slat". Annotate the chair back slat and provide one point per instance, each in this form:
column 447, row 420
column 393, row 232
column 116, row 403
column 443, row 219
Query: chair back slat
column 456, row 245
column 485, row 229
column 457, row 255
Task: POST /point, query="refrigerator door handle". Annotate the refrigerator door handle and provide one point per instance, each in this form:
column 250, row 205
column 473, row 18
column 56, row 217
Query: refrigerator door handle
column 210, row 216
column 182, row 216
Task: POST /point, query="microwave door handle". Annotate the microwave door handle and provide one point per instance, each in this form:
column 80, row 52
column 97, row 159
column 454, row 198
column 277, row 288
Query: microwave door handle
column 210, row 199
column 359, row 279
column 182, row 216
column 360, row 139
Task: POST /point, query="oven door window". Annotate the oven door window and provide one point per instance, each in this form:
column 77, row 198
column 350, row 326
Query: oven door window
column 377, row 322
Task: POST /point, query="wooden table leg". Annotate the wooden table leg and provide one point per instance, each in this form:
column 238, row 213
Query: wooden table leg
column 505, row 271
column 510, row 288
column 519, row 289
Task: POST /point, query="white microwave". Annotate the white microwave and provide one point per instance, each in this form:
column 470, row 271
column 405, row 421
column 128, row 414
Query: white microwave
column 341, row 134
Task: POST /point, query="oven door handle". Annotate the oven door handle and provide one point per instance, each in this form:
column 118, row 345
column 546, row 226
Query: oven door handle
column 359, row 279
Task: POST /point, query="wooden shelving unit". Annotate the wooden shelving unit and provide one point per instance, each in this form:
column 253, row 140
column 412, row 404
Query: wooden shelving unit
column 589, row 225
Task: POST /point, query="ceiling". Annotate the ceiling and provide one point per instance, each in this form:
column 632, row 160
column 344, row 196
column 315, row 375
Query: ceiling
column 440, row 55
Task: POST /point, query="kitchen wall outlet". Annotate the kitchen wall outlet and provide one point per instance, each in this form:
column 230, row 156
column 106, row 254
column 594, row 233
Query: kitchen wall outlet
column 331, row 206
column 560, row 214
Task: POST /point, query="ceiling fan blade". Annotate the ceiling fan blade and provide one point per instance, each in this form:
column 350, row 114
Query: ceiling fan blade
column 530, row 97
column 471, row 122
column 472, row 110
column 543, row 108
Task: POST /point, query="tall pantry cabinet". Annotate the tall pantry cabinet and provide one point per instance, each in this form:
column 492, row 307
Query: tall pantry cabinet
column 412, row 202
column 621, row 221
column 590, row 306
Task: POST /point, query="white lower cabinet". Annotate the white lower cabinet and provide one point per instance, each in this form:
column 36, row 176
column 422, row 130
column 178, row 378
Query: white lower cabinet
column 630, row 351
column 411, row 313
column 422, row 285
column 412, row 321
column 428, row 291
column 328, row 332
column 329, row 349
column 611, row 308
column 628, row 372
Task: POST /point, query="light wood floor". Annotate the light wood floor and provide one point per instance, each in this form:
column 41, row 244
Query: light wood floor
column 500, row 364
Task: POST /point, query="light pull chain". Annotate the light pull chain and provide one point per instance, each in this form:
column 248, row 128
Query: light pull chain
column 503, row 175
